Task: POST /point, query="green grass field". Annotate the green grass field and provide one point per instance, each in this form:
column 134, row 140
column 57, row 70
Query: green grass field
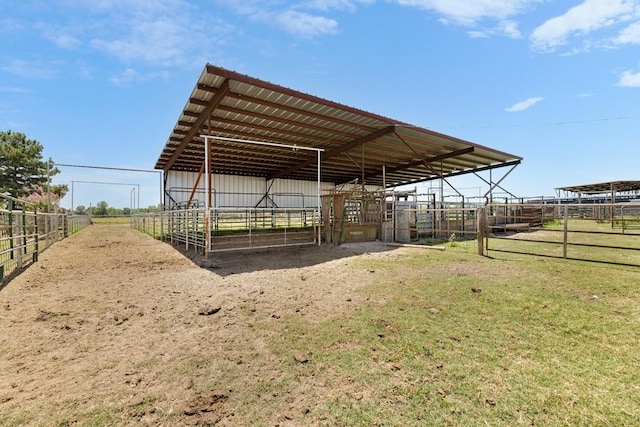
column 587, row 240
column 462, row 340
column 111, row 220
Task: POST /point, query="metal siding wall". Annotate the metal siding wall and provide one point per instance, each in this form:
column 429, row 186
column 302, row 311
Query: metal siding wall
column 244, row 191
column 179, row 185
column 237, row 191
column 289, row 193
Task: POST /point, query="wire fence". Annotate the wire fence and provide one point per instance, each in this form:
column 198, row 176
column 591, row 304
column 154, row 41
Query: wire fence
column 25, row 232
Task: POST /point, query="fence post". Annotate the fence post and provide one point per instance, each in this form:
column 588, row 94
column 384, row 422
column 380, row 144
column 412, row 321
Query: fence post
column 24, row 230
column 171, row 224
column 162, row 225
column 35, row 232
column 11, row 242
column 566, row 224
column 19, row 249
column 481, row 218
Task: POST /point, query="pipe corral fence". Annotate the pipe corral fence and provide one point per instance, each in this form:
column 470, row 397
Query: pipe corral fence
column 228, row 229
column 26, row 231
column 599, row 232
column 608, row 233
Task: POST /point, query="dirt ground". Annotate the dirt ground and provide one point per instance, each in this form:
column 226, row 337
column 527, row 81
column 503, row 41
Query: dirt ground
column 115, row 327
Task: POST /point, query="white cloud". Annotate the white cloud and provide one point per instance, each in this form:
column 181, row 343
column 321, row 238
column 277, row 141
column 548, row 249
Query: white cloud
column 505, row 28
column 157, row 33
column 479, row 34
column 247, row 7
column 630, row 35
column 158, row 42
column 523, row 105
column 130, row 76
column 293, row 20
column 296, row 19
column 31, row 69
column 299, row 23
column 465, row 12
column 326, row 5
column 142, row 7
column 303, row 24
column 589, row 16
column 629, row 79
column 474, row 13
column 126, row 77
column 65, row 41
column 510, row 28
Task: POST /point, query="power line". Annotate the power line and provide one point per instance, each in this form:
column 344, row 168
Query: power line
column 107, row 168
column 539, row 124
column 159, row 172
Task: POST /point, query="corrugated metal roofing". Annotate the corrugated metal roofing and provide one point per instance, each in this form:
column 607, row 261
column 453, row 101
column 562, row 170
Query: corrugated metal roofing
column 603, row 187
column 356, row 144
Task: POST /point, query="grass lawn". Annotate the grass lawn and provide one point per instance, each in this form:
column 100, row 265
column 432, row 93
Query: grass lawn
column 111, row 219
column 456, row 339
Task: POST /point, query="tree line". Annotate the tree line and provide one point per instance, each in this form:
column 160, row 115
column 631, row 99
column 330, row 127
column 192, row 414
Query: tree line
column 26, row 176
column 102, row 208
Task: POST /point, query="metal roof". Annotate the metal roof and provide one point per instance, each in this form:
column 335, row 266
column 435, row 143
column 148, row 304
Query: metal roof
column 357, row 144
column 603, row 187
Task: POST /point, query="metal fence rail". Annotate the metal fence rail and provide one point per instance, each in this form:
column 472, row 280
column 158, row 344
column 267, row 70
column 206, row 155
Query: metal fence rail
column 153, row 224
column 607, row 233
column 227, row 229
column 604, row 233
column 24, row 234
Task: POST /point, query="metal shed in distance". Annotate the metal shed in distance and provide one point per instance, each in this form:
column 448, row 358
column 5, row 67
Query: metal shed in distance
column 610, row 191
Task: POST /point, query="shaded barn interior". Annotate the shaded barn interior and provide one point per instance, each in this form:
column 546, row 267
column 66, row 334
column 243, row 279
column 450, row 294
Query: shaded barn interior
column 259, row 158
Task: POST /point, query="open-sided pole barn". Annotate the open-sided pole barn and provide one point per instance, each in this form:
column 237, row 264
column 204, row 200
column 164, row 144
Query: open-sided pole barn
column 610, row 191
column 255, row 156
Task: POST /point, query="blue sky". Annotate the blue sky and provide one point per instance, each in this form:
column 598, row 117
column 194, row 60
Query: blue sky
column 102, row 82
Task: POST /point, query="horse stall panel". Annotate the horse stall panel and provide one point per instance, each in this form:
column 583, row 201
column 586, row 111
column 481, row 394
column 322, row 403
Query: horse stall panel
column 262, row 240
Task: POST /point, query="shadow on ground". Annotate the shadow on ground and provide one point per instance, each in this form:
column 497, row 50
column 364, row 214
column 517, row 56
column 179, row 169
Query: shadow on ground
column 228, row 263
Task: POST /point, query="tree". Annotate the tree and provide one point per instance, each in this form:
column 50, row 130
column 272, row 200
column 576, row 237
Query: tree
column 101, row 209
column 22, row 169
column 42, row 198
column 81, row 210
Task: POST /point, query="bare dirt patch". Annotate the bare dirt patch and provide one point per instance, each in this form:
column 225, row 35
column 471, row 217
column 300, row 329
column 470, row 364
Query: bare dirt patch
column 111, row 326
